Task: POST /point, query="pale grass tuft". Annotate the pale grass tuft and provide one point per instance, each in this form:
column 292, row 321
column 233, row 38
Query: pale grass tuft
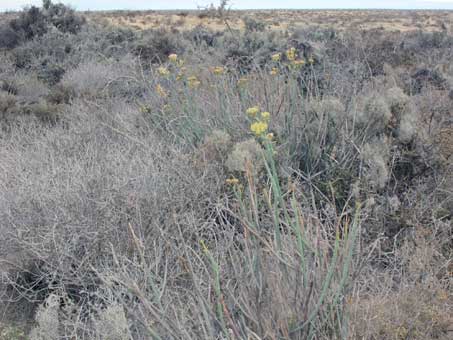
column 112, row 324
column 47, row 320
column 376, row 156
column 245, row 152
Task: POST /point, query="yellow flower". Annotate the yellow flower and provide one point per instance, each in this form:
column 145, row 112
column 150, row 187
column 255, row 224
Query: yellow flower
column 291, row 54
column 242, row 81
column 276, row 57
column 163, row 71
column 259, row 128
column 265, row 116
column 218, row 70
column 232, row 181
column 253, row 111
column 299, row 63
column 161, row 91
column 193, row 82
column 173, row 57
column 274, row 71
column 311, row 61
column 145, row 109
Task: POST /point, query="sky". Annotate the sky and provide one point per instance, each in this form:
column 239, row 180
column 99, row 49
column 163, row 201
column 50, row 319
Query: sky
column 236, row 4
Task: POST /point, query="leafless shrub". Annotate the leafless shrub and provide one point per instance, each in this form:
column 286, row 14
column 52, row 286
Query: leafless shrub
column 113, row 78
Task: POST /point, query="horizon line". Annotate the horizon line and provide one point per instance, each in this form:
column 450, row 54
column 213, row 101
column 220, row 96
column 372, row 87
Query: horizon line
column 248, row 9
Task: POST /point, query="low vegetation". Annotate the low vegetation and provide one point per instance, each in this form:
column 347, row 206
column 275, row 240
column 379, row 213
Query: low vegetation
column 200, row 184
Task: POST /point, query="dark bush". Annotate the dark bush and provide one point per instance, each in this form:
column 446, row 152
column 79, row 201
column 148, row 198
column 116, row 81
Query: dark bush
column 64, row 18
column 11, row 108
column 120, row 35
column 30, row 23
column 200, row 35
column 8, row 37
column 51, row 73
column 9, row 86
column 22, row 57
column 46, row 112
column 425, row 77
column 60, row 94
column 251, row 48
column 253, row 25
column 7, row 106
column 156, row 45
column 48, row 56
column 34, row 22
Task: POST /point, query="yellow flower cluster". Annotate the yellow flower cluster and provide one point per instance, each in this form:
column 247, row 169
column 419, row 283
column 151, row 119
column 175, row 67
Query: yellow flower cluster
column 161, row 91
column 276, row 57
column 292, row 61
column 242, row 82
column 163, row 71
column 193, row 82
column 174, row 59
column 145, row 109
column 259, row 128
column 253, row 111
column 299, row 63
column 218, row 70
column 232, row 181
column 261, row 125
column 266, row 116
column 291, row 54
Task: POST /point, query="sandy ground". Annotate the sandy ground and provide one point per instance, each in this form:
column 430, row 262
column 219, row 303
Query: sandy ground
column 390, row 20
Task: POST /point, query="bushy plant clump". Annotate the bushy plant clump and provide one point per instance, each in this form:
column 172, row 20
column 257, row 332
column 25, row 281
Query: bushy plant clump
column 34, row 22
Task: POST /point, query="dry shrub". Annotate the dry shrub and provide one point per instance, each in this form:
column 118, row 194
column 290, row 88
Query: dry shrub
column 9, row 86
column 44, row 111
column 214, row 148
column 330, row 107
column 376, row 156
column 31, row 88
column 7, row 105
column 374, row 113
column 99, row 196
column 419, row 305
column 420, row 312
column 244, row 153
column 104, row 79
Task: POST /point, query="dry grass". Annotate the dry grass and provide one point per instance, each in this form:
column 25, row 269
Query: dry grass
column 280, row 20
